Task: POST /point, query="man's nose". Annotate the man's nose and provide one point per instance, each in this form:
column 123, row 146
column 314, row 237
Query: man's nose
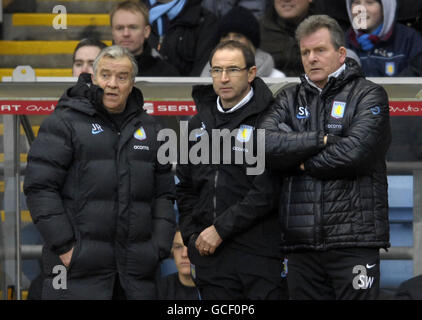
column 112, row 82
column 312, row 57
column 126, row 32
column 85, row 68
column 185, row 252
column 224, row 76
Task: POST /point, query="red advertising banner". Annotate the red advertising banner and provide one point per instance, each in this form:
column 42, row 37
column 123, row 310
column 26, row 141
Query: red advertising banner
column 406, row 108
column 29, row 107
column 44, row 107
column 170, row 108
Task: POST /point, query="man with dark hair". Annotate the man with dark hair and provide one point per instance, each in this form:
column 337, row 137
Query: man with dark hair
column 240, row 24
column 95, row 190
column 182, row 32
column 329, row 136
column 228, row 218
column 84, row 55
column 178, row 285
column 130, row 28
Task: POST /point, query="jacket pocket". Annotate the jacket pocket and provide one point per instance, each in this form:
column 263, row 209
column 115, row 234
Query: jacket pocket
column 75, row 254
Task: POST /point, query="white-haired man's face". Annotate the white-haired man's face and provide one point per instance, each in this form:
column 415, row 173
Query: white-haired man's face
column 114, row 76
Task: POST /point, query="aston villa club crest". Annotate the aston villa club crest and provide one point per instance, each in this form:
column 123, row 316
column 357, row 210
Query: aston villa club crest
column 337, row 111
column 244, row 133
column 390, row 68
column 140, row 134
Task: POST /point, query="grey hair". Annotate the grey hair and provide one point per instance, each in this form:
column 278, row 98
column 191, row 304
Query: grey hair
column 116, row 52
column 316, row 22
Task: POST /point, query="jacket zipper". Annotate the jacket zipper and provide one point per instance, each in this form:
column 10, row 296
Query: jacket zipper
column 215, row 194
column 319, row 215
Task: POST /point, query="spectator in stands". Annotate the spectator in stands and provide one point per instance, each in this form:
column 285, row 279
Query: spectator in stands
column 130, row 29
column 95, row 191
column 383, row 46
column 227, row 217
column 179, row 285
column 183, row 32
column 414, row 68
column 329, row 136
column 220, row 7
column 410, row 289
column 84, row 55
column 278, row 33
column 240, row 24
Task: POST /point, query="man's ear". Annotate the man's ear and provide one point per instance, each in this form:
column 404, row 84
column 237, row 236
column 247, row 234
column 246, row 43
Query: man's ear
column 93, row 79
column 252, row 73
column 147, row 31
column 343, row 54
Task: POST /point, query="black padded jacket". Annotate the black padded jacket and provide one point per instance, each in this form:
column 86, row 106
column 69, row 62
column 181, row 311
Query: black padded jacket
column 341, row 198
column 242, row 207
column 100, row 189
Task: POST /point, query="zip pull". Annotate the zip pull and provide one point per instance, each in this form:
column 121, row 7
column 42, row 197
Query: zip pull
column 160, row 42
column 215, row 193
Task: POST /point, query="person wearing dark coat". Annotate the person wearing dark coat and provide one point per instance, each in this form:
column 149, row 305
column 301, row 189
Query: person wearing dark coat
column 95, row 190
column 221, row 7
column 154, row 66
column 183, row 32
column 410, row 289
column 414, row 68
column 329, row 136
column 384, row 46
column 278, row 33
column 130, row 29
column 178, row 285
column 228, row 216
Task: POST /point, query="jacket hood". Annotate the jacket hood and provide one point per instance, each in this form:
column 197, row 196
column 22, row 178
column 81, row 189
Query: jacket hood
column 205, row 99
column 264, row 63
column 86, row 97
column 389, row 13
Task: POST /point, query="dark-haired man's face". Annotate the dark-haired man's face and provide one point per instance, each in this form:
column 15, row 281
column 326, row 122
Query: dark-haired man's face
column 319, row 56
column 84, row 59
column 231, row 88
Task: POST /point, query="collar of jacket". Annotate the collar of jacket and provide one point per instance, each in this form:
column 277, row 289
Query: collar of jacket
column 190, row 14
column 87, row 98
column 335, row 84
column 205, row 99
column 145, row 58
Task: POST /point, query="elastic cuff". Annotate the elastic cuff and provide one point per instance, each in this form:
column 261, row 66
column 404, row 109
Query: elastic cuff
column 64, row 248
column 321, row 136
column 220, row 231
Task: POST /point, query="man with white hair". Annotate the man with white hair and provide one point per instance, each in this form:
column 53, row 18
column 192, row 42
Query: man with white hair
column 96, row 193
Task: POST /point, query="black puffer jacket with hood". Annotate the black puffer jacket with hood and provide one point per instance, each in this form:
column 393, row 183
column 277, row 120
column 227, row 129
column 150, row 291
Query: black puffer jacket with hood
column 100, row 190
